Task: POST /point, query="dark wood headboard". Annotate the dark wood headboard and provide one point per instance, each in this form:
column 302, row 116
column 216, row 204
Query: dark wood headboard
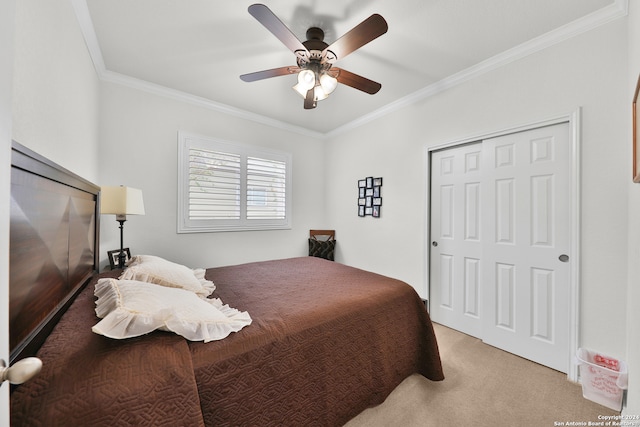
column 54, row 235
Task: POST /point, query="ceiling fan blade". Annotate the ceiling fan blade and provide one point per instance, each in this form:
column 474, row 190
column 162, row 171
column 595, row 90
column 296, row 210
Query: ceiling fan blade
column 309, row 101
column 357, row 82
column 274, row 72
column 271, row 22
column 368, row 30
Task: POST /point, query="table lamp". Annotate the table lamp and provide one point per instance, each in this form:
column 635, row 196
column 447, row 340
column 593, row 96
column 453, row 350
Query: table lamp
column 121, row 201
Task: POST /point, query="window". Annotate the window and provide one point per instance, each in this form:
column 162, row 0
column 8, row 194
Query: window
column 225, row 186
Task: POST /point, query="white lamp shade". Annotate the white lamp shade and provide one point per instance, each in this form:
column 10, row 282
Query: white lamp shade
column 328, row 83
column 319, row 93
column 306, row 79
column 121, row 201
column 301, row 91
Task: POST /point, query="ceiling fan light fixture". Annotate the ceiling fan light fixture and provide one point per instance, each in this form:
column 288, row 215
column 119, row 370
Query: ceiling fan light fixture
column 306, row 79
column 319, row 93
column 301, row 90
column 325, row 86
column 328, row 83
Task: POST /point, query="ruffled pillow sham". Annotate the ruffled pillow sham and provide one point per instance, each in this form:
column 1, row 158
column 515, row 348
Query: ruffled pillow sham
column 154, row 269
column 130, row 308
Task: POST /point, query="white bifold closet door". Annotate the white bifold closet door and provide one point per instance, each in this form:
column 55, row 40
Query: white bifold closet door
column 500, row 240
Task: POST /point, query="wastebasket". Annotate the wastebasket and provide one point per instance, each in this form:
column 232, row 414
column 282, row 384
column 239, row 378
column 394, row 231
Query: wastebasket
column 603, row 378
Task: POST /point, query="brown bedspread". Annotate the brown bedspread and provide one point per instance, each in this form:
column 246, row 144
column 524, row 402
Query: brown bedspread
column 326, row 342
column 91, row 380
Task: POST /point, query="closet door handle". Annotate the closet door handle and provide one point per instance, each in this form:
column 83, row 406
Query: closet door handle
column 564, row 258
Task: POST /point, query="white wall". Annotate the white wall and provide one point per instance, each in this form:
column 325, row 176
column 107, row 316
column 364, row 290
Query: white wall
column 633, row 297
column 55, row 87
column 138, row 148
column 587, row 71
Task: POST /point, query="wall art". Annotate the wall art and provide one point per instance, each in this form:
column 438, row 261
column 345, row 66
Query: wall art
column 369, row 197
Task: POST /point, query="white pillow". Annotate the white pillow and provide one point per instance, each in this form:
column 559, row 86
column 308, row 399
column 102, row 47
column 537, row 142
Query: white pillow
column 131, row 308
column 153, row 269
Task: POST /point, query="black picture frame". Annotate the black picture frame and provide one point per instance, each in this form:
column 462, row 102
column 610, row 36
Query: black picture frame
column 113, row 257
column 369, row 196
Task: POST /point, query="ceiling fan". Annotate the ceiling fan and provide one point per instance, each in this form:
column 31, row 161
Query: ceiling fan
column 317, row 77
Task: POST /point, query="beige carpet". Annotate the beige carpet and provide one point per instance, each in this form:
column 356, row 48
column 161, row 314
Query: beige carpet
column 484, row 386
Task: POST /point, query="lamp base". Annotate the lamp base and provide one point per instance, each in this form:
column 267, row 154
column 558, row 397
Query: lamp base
column 122, row 257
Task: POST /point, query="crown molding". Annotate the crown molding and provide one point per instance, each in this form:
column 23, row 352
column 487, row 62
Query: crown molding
column 176, row 95
column 603, row 16
column 616, row 10
column 89, row 33
column 91, row 40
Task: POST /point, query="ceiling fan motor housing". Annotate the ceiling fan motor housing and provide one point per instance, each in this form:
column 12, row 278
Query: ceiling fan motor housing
column 315, row 47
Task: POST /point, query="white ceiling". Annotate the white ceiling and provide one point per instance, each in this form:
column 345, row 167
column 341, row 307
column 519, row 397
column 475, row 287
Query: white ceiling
column 196, row 49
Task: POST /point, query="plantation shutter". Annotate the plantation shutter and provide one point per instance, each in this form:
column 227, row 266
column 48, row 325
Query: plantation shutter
column 266, row 185
column 214, row 185
column 226, row 187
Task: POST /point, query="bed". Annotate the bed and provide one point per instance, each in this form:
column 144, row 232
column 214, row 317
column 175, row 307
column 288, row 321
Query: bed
column 325, row 342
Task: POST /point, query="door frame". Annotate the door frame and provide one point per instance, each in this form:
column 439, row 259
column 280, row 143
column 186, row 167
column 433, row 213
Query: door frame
column 573, row 118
